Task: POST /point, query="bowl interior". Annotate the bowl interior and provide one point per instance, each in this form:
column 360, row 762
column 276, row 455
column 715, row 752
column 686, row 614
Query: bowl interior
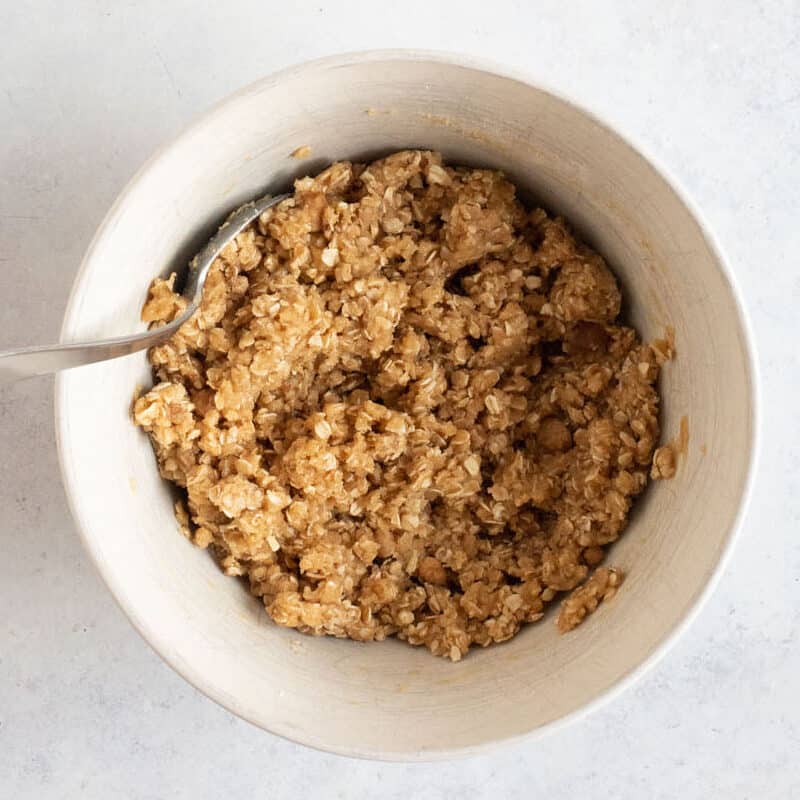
column 389, row 700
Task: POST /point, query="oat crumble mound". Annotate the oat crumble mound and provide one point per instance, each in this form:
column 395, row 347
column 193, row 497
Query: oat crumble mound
column 406, row 407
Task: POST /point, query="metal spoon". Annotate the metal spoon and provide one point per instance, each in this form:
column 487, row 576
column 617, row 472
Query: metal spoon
column 30, row 361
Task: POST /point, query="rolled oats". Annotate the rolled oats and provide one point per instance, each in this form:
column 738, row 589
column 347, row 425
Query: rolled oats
column 406, row 408
column 602, row 585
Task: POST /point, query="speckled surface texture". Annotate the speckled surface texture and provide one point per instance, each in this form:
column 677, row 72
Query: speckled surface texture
column 86, row 708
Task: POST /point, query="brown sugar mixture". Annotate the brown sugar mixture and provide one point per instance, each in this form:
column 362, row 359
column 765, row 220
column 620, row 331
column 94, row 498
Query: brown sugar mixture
column 406, row 407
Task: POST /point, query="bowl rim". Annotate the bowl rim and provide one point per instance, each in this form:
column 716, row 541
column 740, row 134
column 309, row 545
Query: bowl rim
column 195, row 676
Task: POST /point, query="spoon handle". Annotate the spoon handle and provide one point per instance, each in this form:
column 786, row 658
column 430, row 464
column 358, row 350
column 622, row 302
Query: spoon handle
column 29, row 361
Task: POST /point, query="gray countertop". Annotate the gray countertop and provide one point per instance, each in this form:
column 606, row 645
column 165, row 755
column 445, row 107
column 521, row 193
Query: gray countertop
column 88, row 90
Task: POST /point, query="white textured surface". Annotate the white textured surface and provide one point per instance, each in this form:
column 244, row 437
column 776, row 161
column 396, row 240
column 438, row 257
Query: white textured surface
column 86, row 709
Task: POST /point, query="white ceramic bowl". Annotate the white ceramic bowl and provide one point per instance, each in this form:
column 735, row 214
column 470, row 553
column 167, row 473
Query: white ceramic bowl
column 389, row 700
